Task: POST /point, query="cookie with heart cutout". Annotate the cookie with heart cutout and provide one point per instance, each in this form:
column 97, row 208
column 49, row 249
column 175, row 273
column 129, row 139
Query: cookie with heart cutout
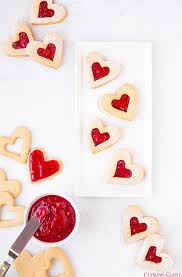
column 45, row 12
column 136, row 226
column 49, row 52
column 38, row 265
column 7, row 199
column 40, row 168
column 11, row 186
column 19, row 133
column 16, row 46
column 123, row 171
column 100, row 71
column 152, row 255
column 101, row 137
column 122, row 104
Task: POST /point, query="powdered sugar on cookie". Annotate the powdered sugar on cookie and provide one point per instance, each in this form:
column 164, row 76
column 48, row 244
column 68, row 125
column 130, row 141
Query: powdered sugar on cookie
column 136, row 226
column 152, row 255
column 45, row 12
column 121, row 104
column 123, row 171
column 101, row 137
column 17, row 45
column 100, row 71
column 49, row 52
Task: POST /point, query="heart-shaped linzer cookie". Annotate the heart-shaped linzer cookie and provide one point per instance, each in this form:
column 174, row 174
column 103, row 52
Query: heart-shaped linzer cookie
column 58, row 254
column 100, row 71
column 38, row 265
column 44, row 12
column 101, row 137
column 19, row 133
column 121, row 104
column 17, row 45
column 40, row 168
column 152, row 256
column 123, row 172
column 11, row 186
column 136, row 226
column 7, row 199
column 49, row 52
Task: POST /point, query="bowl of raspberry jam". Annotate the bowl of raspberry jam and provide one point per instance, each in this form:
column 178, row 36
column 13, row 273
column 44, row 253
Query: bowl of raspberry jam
column 60, row 222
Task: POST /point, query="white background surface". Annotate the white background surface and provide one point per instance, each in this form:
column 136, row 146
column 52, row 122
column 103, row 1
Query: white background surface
column 43, row 100
column 135, row 59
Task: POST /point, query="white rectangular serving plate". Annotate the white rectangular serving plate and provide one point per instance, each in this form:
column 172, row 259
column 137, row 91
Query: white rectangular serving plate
column 136, row 136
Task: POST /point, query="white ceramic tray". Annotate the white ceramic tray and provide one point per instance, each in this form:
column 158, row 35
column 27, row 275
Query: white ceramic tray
column 136, row 62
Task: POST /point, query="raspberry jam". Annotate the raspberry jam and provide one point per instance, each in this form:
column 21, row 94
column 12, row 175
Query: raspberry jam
column 152, row 257
column 122, row 171
column 137, row 227
column 60, row 221
column 99, row 138
column 39, row 168
column 47, row 53
column 44, row 11
column 122, row 103
column 41, row 213
column 22, row 42
column 98, row 71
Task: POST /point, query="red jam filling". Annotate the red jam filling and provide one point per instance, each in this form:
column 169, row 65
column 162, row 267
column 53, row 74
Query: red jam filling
column 47, row 53
column 99, row 71
column 41, row 213
column 22, row 42
column 39, row 168
column 99, row 138
column 122, row 103
column 122, row 171
column 60, row 221
column 152, row 257
column 44, row 11
column 137, row 227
